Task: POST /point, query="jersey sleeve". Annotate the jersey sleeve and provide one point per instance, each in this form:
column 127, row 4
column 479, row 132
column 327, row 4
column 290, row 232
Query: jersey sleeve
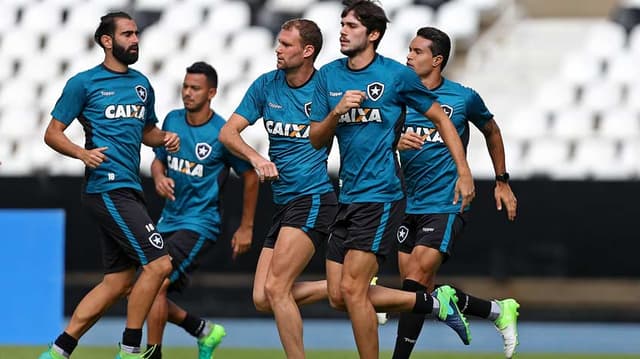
column 71, row 103
column 320, row 103
column 253, row 101
column 412, row 90
column 478, row 113
column 151, row 118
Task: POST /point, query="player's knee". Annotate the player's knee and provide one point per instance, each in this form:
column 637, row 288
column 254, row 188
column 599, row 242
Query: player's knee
column 160, row 267
column 261, row 303
column 336, row 301
column 274, row 290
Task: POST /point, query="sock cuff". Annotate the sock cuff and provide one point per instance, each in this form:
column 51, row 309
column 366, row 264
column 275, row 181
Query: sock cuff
column 411, row 285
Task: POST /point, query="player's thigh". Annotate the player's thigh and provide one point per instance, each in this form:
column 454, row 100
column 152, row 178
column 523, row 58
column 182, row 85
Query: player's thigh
column 359, row 268
column 334, row 278
column 293, row 250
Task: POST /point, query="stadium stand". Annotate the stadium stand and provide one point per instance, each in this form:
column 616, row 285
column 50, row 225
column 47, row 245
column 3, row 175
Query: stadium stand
column 584, row 90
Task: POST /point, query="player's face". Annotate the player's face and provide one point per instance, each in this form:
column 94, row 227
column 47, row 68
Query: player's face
column 196, row 92
column 420, row 58
column 125, row 41
column 353, row 35
column 289, row 51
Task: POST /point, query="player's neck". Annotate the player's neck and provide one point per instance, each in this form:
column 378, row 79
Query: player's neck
column 362, row 59
column 114, row 65
column 299, row 76
column 199, row 117
column 433, row 80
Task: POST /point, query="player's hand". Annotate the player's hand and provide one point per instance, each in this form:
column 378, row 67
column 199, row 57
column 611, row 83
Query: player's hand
column 165, row 186
column 93, row 158
column 266, row 170
column 504, row 195
column 171, row 141
column 241, row 241
column 410, row 141
column 350, row 99
column 464, row 190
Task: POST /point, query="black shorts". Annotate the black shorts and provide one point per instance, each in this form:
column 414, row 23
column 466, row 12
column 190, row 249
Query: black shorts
column 437, row 231
column 313, row 214
column 369, row 227
column 127, row 234
column 186, row 249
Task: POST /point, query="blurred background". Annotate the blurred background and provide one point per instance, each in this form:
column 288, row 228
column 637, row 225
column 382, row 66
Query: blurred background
column 561, row 76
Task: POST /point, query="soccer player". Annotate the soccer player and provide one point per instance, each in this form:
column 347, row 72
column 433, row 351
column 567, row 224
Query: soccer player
column 361, row 99
column 302, row 191
column 191, row 181
column 432, row 223
column 115, row 105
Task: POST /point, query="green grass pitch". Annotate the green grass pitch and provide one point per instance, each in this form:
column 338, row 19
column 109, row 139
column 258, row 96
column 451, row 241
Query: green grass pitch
column 12, row 352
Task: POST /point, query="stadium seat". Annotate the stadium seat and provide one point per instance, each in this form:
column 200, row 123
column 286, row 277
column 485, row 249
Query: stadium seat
column 590, row 156
column 333, row 162
column 408, row 19
column 395, row 44
column 227, row 17
column 78, row 18
column 19, row 122
column 20, row 43
column 158, row 42
column 573, row 124
column 287, row 6
column 623, row 69
column 259, row 39
column 460, row 21
column 526, row 123
column 8, row 20
column 181, row 17
column 605, row 40
column 630, row 157
column 152, row 5
column 601, row 96
column 203, row 42
column 546, row 157
column 617, row 123
column 327, row 15
column 581, row 69
column 555, row 94
column 391, row 6
column 41, row 17
column 57, row 45
column 16, row 94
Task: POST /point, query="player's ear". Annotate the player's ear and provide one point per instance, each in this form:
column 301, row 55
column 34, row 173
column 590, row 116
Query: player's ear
column 437, row 60
column 106, row 41
column 212, row 93
column 308, row 50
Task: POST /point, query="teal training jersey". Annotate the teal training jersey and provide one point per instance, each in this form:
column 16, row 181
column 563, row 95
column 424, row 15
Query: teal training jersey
column 367, row 136
column 199, row 170
column 113, row 109
column 285, row 112
column 430, row 172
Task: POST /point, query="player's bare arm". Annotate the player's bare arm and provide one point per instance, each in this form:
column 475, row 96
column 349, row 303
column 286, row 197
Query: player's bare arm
column 55, row 138
column 464, row 186
column 164, row 185
column 230, row 137
column 152, row 136
column 502, row 193
column 242, row 238
column 322, row 132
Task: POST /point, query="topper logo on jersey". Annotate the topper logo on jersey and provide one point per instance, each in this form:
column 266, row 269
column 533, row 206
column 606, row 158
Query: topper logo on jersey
column 202, row 150
column 142, row 92
column 125, row 111
column 375, row 90
column 183, row 166
column 307, row 109
column 278, row 128
column 361, row 115
column 402, row 234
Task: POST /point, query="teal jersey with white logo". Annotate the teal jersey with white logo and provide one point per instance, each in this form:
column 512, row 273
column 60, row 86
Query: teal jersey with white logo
column 367, row 135
column 430, row 172
column 285, row 112
column 113, row 109
column 199, row 170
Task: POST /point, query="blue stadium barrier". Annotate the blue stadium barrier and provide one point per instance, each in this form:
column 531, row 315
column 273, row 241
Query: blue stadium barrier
column 32, row 267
